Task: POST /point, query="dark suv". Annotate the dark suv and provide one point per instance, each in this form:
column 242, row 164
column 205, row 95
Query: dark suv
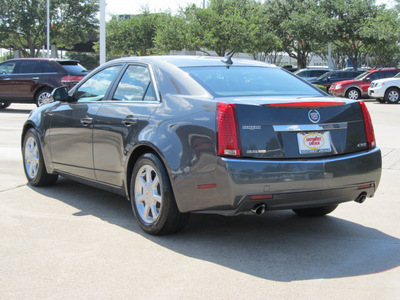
column 31, row 80
column 358, row 87
column 328, row 78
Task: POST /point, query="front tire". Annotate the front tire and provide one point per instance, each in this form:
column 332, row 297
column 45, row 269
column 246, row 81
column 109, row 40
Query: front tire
column 353, row 94
column 152, row 198
column 34, row 167
column 392, row 95
column 315, row 211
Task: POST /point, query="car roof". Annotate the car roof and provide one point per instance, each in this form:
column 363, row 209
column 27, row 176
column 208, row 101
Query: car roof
column 192, row 61
column 43, row 59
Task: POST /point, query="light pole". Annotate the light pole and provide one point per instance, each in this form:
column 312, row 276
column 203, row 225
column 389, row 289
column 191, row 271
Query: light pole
column 48, row 28
column 102, row 31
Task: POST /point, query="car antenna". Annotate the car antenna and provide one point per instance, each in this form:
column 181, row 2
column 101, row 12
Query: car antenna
column 227, row 60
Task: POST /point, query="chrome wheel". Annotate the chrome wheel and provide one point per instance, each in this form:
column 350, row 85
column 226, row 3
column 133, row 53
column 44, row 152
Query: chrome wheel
column 43, row 98
column 31, row 157
column 148, row 195
column 353, row 94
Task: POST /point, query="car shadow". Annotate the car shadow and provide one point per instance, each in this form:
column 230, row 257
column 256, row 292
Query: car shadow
column 15, row 111
column 277, row 246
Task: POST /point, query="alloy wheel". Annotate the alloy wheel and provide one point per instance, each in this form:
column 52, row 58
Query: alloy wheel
column 31, row 157
column 148, row 196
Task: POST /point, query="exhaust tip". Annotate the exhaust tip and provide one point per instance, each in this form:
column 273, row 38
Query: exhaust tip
column 258, row 209
column 361, row 198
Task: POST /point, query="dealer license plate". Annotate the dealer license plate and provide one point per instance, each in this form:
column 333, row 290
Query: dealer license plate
column 314, row 142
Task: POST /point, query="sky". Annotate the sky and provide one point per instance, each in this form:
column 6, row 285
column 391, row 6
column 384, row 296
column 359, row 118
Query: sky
column 120, row 7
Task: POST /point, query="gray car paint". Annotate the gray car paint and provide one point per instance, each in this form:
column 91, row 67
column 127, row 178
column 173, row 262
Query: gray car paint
column 180, row 127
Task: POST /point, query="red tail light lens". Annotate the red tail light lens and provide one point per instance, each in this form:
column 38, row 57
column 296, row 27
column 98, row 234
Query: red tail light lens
column 71, row 79
column 228, row 135
column 369, row 129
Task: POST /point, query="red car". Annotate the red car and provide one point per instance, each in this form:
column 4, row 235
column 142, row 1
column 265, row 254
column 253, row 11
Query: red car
column 358, row 87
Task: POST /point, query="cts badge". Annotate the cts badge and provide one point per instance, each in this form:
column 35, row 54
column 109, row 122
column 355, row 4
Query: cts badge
column 314, row 116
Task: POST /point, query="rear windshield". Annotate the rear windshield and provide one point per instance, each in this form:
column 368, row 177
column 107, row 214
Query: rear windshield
column 73, row 68
column 250, row 81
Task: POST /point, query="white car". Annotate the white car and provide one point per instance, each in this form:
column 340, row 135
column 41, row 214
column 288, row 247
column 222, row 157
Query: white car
column 385, row 90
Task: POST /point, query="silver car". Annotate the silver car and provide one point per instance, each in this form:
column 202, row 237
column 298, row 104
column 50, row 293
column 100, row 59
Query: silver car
column 179, row 135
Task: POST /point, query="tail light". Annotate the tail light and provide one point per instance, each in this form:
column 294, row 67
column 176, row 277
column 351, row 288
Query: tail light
column 71, row 79
column 369, row 129
column 228, row 135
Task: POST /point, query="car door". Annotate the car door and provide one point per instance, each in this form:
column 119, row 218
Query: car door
column 71, row 133
column 6, row 83
column 25, row 79
column 121, row 122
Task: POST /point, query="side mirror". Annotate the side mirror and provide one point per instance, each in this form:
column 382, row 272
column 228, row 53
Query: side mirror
column 60, row 94
column 329, row 78
column 367, row 79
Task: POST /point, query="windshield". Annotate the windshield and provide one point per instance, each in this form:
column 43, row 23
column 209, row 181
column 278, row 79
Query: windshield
column 361, row 76
column 250, row 81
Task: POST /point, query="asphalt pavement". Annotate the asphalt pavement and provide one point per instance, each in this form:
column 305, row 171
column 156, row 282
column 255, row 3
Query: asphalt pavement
column 71, row 241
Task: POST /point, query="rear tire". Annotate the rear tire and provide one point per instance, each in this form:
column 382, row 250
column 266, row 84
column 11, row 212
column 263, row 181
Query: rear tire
column 42, row 97
column 152, row 198
column 34, row 166
column 353, row 94
column 4, row 105
column 392, row 95
column 315, row 211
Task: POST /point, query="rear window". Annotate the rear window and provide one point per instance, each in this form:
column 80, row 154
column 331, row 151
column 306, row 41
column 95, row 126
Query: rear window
column 73, row 68
column 250, row 81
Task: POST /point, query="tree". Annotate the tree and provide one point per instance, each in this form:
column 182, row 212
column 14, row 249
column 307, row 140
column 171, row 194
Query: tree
column 299, row 24
column 23, row 23
column 225, row 27
column 350, row 20
column 133, row 36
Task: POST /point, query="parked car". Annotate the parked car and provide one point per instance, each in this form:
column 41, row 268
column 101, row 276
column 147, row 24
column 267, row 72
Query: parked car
column 311, row 73
column 31, row 80
column 193, row 134
column 358, row 87
column 331, row 77
column 290, row 68
column 386, row 90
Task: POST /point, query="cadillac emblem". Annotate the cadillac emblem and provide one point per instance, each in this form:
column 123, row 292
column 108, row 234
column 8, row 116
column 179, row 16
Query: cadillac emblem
column 314, row 116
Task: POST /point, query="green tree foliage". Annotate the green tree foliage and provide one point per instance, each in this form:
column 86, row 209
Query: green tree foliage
column 23, row 23
column 133, row 36
column 350, row 18
column 300, row 25
column 225, row 26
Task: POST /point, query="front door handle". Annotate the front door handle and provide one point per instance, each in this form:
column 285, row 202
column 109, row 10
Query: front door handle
column 129, row 121
column 86, row 121
column 35, row 78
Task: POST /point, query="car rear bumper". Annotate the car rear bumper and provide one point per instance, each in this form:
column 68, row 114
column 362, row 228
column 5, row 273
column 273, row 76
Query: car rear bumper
column 238, row 185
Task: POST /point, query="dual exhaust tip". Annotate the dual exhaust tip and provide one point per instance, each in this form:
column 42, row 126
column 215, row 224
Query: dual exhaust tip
column 259, row 209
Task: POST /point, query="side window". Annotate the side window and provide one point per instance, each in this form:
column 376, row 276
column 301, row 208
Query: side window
column 28, row 66
column 96, row 86
column 135, row 85
column 375, row 76
column 389, row 74
column 8, row 67
column 334, row 76
column 46, row 67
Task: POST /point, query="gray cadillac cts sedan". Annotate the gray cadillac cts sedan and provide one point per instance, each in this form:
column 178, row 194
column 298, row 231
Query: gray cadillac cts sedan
column 197, row 134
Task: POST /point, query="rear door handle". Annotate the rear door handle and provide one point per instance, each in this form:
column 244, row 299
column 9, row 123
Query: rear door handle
column 35, row 78
column 129, row 121
column 86, row 121
column 7, row 78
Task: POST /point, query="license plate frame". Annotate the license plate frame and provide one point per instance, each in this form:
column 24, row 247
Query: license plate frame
column 314, row 142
